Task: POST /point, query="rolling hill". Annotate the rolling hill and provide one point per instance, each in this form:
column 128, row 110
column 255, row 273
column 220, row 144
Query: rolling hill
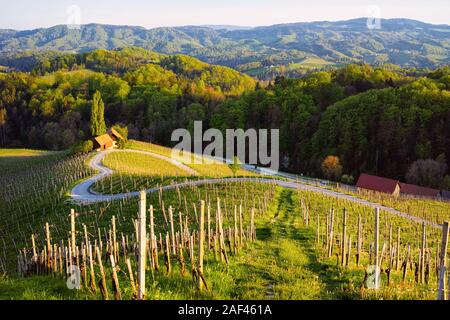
column 257, row 51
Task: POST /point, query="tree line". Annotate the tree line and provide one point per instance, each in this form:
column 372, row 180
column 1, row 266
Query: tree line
column 382, row 120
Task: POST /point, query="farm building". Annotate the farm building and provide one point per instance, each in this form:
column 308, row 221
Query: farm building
column 413, row 190
column 116, row 136
column 378, row 184
column 104, row 142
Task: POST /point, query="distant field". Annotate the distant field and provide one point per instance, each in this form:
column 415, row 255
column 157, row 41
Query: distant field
column 310, row 63
column 16, row 159
column 4, row 153
column 50, row 79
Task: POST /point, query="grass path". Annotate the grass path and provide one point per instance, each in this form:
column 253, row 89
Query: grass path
column 283, row 264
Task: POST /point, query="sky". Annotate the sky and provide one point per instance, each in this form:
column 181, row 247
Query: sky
column 30, row 14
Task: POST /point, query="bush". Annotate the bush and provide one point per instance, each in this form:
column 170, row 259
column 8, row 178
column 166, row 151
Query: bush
column 122, row 144
column 83, row 147
column 348, row 179
column 332, row 168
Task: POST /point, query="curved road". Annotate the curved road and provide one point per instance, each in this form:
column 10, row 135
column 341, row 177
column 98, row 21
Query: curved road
column 83, row 194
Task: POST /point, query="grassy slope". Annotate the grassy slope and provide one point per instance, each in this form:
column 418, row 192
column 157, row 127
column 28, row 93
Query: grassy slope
column 215, row 170
column 283, row 264
column 430, row 209
column 137, row 171
column 18, row 159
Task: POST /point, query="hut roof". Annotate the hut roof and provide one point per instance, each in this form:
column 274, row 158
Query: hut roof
column 115, row 134
column 375, row 183
column 104, row 140
column 414, row 190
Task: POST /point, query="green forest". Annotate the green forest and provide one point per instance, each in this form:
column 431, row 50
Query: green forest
column 383, row 120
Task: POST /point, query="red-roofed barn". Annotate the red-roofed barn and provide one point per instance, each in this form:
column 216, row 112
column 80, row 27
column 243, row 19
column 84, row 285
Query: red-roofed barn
column 378, row 184
column 413, row 190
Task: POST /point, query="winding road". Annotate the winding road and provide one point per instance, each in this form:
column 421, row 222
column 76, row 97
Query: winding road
column 82, row 193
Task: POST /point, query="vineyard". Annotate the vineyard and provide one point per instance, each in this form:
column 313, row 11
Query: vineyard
column 219, row 240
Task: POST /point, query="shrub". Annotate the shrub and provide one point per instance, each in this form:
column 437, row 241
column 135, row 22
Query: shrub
column 332, row 168
column 348, row 179
column 122, row 144
column 83, row 147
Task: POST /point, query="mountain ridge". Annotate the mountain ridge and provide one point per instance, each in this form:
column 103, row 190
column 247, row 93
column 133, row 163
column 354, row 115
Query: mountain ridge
column 264, row 51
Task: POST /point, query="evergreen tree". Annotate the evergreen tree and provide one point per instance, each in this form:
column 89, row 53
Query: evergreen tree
column 98, row 126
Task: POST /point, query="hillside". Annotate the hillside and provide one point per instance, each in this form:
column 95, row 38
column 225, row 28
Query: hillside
column 376, row 120
column 261, row 51
column 272, row 247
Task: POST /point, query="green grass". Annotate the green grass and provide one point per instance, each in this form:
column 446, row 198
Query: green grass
column 285, row 263
column 12, row 160
column 310, row 63
column 134, row 171
column 214, row 170
column 433, row 210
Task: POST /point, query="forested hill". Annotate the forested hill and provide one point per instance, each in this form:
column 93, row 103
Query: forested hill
column 288, row 49
column 386, row 121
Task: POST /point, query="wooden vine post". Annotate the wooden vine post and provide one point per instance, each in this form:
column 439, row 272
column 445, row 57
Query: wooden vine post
column 209, row 226
column 219, row 230
column 252, row 226
column 235, row 231
column 423, row 253
column 35, row 256
column 330, row 241
column 103, row 287
column 201, row 247
column 153, row 245
column 142, row 241
column 397, row 251
column 114, row 240
column 93, row 287
column 73, row 233
column 344, row 238
column 443, row 262
column 131, row 276
column 172, row 232
column 359, row 243
column 116, row 286
column 376, row 247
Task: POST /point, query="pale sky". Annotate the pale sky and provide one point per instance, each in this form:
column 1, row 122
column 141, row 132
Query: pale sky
column 29, row 14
